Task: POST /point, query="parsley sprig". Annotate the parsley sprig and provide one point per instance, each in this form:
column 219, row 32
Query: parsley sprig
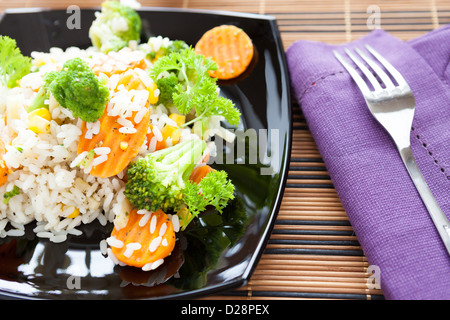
column 13, row 65
column 215, row 189
column 194, row 89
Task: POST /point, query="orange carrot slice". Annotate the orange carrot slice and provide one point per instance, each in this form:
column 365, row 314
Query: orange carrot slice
column 230, row 47
column 199, row 173
column 4, row 171
column 154, row 242
column 124, row 147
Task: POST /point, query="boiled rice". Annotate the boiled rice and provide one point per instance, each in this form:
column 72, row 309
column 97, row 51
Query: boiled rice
column 130, row 248
column 153, row 224
column 163, row 229
column 155, row 244
column 146, row 217
column 52, row 177
column 46, row 167
column 114, row 242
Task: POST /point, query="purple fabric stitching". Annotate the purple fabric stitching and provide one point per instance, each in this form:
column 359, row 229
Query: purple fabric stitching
column 318, row 80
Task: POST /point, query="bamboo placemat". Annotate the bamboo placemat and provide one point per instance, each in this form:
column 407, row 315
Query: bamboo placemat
column 313, row 252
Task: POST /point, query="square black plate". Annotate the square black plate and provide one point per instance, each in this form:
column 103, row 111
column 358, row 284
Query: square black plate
column 221, row 254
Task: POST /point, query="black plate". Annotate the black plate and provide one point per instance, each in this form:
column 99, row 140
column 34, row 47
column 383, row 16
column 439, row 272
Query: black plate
column 217, row 253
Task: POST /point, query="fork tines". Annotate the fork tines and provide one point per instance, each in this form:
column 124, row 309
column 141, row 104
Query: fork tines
column 376, row 70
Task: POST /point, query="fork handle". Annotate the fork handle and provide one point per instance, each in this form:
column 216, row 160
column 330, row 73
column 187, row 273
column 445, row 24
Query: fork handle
column 440, row 220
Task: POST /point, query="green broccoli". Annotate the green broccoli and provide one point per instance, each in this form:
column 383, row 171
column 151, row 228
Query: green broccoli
column 77, row 88
column 43, row 93
column 174, row 46
column 167, row 86
column 115, row 26
column 158, row 179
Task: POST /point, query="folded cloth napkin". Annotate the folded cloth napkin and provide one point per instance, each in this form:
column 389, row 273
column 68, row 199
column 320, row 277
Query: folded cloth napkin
column 383, row 206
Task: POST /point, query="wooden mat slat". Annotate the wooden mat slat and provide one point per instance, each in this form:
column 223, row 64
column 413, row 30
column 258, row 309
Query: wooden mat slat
column 313, row 252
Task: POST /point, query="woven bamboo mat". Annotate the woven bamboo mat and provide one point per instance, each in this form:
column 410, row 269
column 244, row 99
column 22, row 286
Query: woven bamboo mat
column 313, row 252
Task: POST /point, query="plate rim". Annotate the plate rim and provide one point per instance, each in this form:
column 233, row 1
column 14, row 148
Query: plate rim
column 243, row 278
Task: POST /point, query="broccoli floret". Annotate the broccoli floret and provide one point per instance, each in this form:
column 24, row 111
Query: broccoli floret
column 43, row 93
column 173, row 46
column 115, row 26
column 167, row 86
column 158, row 179
column 77, row 88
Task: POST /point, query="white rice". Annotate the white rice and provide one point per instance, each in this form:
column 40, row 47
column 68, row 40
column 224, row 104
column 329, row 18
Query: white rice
column 130, row 248
column 53, row 178
column 157, row 133
column 103, row 247
column 163, row 229
column 47, row 168
column 155, row 244
column 146, row 217
column 157, row 263
column 140, row 115
column 153, row 265
column 127, row 130
column 100, row 159
column 102, row 150
column 113, row 242
column 175, row 223
column 124, row 122
column 153, row 224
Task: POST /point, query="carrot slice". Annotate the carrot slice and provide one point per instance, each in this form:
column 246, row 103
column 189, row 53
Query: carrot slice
column 199, row 173
column 124, row 147
column 4, row 171
column 147, row 236
column 230, row 47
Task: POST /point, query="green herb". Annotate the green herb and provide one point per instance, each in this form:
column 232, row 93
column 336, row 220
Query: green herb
column 13, row 65
column 195, row 89
column 215, row 189
column 8, row 195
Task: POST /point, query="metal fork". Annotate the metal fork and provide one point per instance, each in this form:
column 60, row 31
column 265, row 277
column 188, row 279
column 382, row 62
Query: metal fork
column 393, row 106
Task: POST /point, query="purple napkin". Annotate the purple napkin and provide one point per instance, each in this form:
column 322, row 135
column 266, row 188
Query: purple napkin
column 383, row 206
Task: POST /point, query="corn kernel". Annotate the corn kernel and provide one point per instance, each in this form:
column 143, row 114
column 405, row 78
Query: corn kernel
column 134, row 84
column 123, row 145
column 178, row 118
column 39, row 125
column 125, row 79
column 41, row 112
column 151, row 90
column 74, row 214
